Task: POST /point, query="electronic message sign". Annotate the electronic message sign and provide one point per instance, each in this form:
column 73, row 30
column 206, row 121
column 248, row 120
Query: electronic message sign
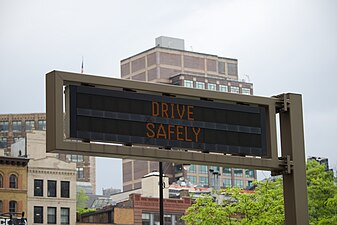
column 88, row 114
column 132, row 118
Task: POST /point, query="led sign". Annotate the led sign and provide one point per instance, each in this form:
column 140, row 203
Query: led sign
column 132, row 118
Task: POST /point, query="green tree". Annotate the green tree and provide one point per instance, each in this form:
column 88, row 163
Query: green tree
column 322, row 192
column 81, row 200
column 266, row 204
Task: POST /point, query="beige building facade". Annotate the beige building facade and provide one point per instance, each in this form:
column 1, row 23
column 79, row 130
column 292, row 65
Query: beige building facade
column 14, row 127
column 51, row 197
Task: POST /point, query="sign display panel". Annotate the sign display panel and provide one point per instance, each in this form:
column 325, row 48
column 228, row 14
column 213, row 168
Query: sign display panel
column 132, row 118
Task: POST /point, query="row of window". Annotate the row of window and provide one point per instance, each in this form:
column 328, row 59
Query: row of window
column 19, row 126
column 13, row 181
column 213, row 87
column 226, row 182
column 52, row 188
column 51, row 215
column 169, row 219
column 12, row 206
column 225, row 171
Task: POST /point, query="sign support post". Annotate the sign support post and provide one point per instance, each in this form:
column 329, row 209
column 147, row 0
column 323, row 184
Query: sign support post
column 292, row 145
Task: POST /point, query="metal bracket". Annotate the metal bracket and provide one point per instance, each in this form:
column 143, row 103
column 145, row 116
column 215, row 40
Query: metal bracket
column 283, row 104
column 287, row 164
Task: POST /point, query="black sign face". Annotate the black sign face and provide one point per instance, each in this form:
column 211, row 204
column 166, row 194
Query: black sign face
column 169, row 122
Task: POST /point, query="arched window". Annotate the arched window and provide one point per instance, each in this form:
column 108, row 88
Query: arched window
column 13, row 181
column 13, row 206
column 1, row 181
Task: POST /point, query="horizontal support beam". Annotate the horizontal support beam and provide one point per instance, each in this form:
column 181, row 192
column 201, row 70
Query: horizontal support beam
column 178, row 156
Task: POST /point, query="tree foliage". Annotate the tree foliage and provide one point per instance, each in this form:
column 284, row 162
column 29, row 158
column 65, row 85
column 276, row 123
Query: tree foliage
column 322, row 192
column 81, row 200
column 266, row 204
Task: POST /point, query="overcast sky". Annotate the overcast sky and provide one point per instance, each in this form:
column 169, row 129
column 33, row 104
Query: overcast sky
column 282, row 46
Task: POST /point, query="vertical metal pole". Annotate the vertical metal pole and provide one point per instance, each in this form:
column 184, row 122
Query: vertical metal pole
column 161, row 199
column 292, row 144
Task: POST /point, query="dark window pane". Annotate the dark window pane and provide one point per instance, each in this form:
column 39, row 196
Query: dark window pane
column 65, row 187
column 38, row 187
column 13, row 181
column 38, row 214
column 4, row 126
column 1, row 181
column 51, row 188
column 12, row 206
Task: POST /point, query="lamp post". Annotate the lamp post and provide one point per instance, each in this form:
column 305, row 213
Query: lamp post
column 161, row 197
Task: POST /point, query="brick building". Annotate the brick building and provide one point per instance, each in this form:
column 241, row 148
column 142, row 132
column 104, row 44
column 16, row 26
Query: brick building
column 139, row 210
column 13, row 185
column 169, row 63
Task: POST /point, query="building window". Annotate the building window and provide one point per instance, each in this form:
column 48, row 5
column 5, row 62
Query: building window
column 3, row 142
column 51, row 188
column 13, row 181
column 188, row 83
column 38, row 187
column 192, row 179
column 238, row 172
column 1, row 181
column 235, row 89
column 250, row 173
column 30, row 125
column 245, row 91
column 211, row 87
column 80, row 172
column 64, row 215
column 221, row 67
column 223, row 88
column 75, row 158
column 65, row 188
column 41, row 125
column 232, row 69
column 203, row 180
column 1, row 206
column 202, row 169
column 192, row 169
column 227, row 171
column 215, row 168
column 146, row 219
column 38, row 214
column 12, row 206
column 238, row 183
column 227, row 182
column 249, row 184
column 3, row 126
column 17, row 126
column 51, row 215
column 200, row 85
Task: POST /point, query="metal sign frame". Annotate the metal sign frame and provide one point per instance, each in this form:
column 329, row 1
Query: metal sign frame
column 291, row 163
column 56, row 82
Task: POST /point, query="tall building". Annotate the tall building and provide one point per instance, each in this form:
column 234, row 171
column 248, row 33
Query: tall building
column 16, row 126
column 169, row 63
